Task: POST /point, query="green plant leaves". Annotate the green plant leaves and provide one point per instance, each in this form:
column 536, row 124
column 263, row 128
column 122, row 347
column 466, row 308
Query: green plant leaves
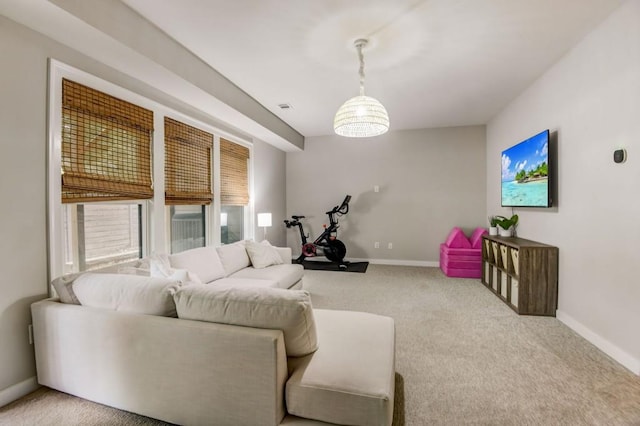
column 505, row 223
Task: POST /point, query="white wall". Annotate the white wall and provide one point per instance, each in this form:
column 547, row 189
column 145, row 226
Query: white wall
column 591, row 98
column 22, row 217
column 430, row 181
column 269, row 183
column 23, row 246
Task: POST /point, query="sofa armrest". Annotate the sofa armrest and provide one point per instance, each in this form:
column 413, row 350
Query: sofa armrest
column 285, row 253
column 176, row 370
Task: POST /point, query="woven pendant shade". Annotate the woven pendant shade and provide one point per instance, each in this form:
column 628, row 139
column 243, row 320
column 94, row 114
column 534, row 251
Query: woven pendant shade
column 361, row 117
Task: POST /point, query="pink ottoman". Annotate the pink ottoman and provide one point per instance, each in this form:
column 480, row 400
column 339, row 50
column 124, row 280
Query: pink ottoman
column 462, row 257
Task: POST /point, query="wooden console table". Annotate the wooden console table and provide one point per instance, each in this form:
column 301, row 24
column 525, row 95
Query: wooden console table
column 522, row 273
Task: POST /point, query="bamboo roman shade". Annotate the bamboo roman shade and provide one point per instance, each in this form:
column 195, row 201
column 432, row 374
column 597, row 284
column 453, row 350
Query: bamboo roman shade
column 187, row 164
column 106, row 147
column 234, row 174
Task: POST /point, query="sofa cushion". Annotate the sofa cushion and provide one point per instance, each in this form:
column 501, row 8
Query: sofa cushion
column 233, row 257
column 127, row 293
column 457, row 239
column 286, row 275
column 476, row 238
column 469, row 252
column 270, row 308
column 350, row 379
column 263, row 254
column 202, row 261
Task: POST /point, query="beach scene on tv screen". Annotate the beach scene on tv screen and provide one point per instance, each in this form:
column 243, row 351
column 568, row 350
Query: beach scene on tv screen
column 525, row 172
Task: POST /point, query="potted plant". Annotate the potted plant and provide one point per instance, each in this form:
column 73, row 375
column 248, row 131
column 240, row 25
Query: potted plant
column 506, row 226
column 493, row 225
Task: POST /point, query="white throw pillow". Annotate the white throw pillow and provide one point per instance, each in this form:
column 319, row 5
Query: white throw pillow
column 271, row 308
column 160, row 267
column 263, row 254
column 203, row 261
column 127, row 293
column 233, row 257
column 64, row 288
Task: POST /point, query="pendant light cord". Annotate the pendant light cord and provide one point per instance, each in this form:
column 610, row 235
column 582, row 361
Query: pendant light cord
column 360, row 43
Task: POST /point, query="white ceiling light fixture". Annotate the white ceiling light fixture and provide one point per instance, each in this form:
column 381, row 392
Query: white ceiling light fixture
column 361, row 116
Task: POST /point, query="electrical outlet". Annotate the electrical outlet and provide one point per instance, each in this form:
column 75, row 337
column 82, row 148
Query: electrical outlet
column 390, row 246
column 376, row 245
column 30, row 334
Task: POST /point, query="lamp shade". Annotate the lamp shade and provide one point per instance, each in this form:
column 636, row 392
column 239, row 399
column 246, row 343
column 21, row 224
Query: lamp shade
column 264, row 219
column 361, row 117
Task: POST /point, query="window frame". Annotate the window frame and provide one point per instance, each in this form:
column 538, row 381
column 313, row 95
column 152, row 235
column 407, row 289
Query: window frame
column 155, row 215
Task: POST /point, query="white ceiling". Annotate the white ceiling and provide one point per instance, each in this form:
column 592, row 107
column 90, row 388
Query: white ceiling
column 432, row 63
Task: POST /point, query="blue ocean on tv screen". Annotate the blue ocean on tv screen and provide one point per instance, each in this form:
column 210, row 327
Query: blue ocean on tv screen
column 534, row 195
column 525, row 173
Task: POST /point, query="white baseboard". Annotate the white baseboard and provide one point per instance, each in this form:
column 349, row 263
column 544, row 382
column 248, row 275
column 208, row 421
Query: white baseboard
column 628, row 361
column 18, row 390
column 397, row 262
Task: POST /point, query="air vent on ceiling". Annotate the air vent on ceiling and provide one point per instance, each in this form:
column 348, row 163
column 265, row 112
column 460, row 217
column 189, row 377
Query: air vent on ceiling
column 285, row 106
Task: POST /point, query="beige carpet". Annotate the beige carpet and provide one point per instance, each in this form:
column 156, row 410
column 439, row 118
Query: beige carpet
column 463, row 358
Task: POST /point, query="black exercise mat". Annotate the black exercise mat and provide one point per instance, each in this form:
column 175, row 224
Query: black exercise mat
column 330, row 266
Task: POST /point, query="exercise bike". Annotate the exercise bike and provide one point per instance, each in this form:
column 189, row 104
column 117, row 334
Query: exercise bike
column 331, row 247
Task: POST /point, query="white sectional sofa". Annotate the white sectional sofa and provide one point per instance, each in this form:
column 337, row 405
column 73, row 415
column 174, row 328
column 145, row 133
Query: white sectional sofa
column 222, row 353
column 241, row 263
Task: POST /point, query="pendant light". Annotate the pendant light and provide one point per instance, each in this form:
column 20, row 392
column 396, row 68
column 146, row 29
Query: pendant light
column 361, row 116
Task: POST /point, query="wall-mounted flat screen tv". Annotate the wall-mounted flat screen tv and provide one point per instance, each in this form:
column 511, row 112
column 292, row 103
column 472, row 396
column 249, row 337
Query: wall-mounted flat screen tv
column 525, row 173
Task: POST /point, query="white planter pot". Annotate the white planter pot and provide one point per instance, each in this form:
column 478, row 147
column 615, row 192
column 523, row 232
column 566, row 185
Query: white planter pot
column 504, row 232
column 493, row 230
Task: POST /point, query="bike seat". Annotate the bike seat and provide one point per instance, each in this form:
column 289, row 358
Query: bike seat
column 297, row 217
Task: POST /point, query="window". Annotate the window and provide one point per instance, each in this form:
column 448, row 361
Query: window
column 111, row 197
column 234, row 190
column 232, row 224
column 105, row 156
column 99, row 235
column 187, row 227
column 188, row 181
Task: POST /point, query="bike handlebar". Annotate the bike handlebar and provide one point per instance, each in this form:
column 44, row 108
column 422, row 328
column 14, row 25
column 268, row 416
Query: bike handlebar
column 343, row 208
